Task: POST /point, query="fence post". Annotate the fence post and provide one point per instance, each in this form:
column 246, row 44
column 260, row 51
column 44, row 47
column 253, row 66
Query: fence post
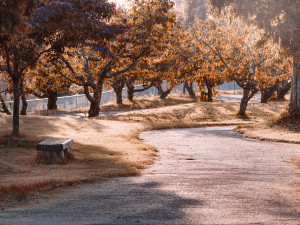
column 76, row 101
column 234, row 87
column 43, row 104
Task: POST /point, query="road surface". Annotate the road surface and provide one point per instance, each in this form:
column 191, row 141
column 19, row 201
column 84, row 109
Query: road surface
column 202, row 176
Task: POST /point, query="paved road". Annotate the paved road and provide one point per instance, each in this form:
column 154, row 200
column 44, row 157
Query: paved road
column 203, row 176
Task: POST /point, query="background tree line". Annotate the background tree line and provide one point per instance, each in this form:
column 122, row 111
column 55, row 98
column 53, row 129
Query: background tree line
column 46, row 46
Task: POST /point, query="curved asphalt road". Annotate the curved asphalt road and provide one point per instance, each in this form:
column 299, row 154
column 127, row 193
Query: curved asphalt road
column 203, row 176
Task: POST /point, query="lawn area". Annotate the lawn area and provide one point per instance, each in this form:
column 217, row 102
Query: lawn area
column 107, row 146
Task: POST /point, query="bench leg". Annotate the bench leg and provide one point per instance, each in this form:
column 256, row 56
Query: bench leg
column 67, row 152
column 51, row 156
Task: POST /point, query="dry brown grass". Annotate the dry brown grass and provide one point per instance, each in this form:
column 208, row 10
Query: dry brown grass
column 18, row 192
column 100, row 150
column 280, row 128
column 199, row 112
column 106, row 146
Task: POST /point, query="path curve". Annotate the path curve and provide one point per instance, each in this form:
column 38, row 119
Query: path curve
column 203, row 176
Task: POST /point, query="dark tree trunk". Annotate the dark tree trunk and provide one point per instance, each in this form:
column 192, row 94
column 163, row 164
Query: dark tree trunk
column 96, row 99
column 118, row 86
column 16, row 108
column 130, row 91
column 119, row 97
column 209, row 93
column 52, row 100
column 94, row 108
column 283, row 89
column 264, row 97
column 189, row 88
column 163, row 94
column 244, row 102
column 24, row 105
column 4, row 107
column 16, row 79
column 268, row 92
column 247, row 95
column 183, row 91
column 159, row 89
column 295, row 97
column 23, row 98
column 95, row 103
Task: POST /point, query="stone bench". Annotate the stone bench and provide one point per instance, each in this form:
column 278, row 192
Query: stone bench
column 54, row 149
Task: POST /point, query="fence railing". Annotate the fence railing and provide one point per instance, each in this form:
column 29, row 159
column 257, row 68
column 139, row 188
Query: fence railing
column 80, row 101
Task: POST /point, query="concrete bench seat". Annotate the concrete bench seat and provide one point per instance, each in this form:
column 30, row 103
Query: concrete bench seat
column 54, row 149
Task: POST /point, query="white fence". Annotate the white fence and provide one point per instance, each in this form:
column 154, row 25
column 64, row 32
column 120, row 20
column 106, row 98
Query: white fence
column 80, row 101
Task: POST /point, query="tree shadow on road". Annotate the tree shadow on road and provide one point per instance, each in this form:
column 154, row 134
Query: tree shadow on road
column 118, row 201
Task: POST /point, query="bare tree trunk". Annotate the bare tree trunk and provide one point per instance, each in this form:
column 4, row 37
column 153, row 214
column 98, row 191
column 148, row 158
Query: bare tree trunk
column 16, row 79
column 283, row 89
column 119, row 96
column 264, row 97
column 52, row 100
column 4, row 107
column 24, row 105
column 163, row 94
column 94, row 108
column 118, row 86
column 159, row 89
column 268, row 92
column 247, row 95
column 23, row 98
column 130, row 91
column 96, row 99
column 95, row 104
column 189, row 88
column 16, row 108
column 209, row 93
column 295, row 98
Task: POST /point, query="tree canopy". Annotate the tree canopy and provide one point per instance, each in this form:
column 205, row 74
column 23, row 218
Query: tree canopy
column 12, row 13
column 280, row 19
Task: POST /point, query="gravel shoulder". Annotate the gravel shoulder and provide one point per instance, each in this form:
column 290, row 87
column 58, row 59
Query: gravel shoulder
column 202, row 176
